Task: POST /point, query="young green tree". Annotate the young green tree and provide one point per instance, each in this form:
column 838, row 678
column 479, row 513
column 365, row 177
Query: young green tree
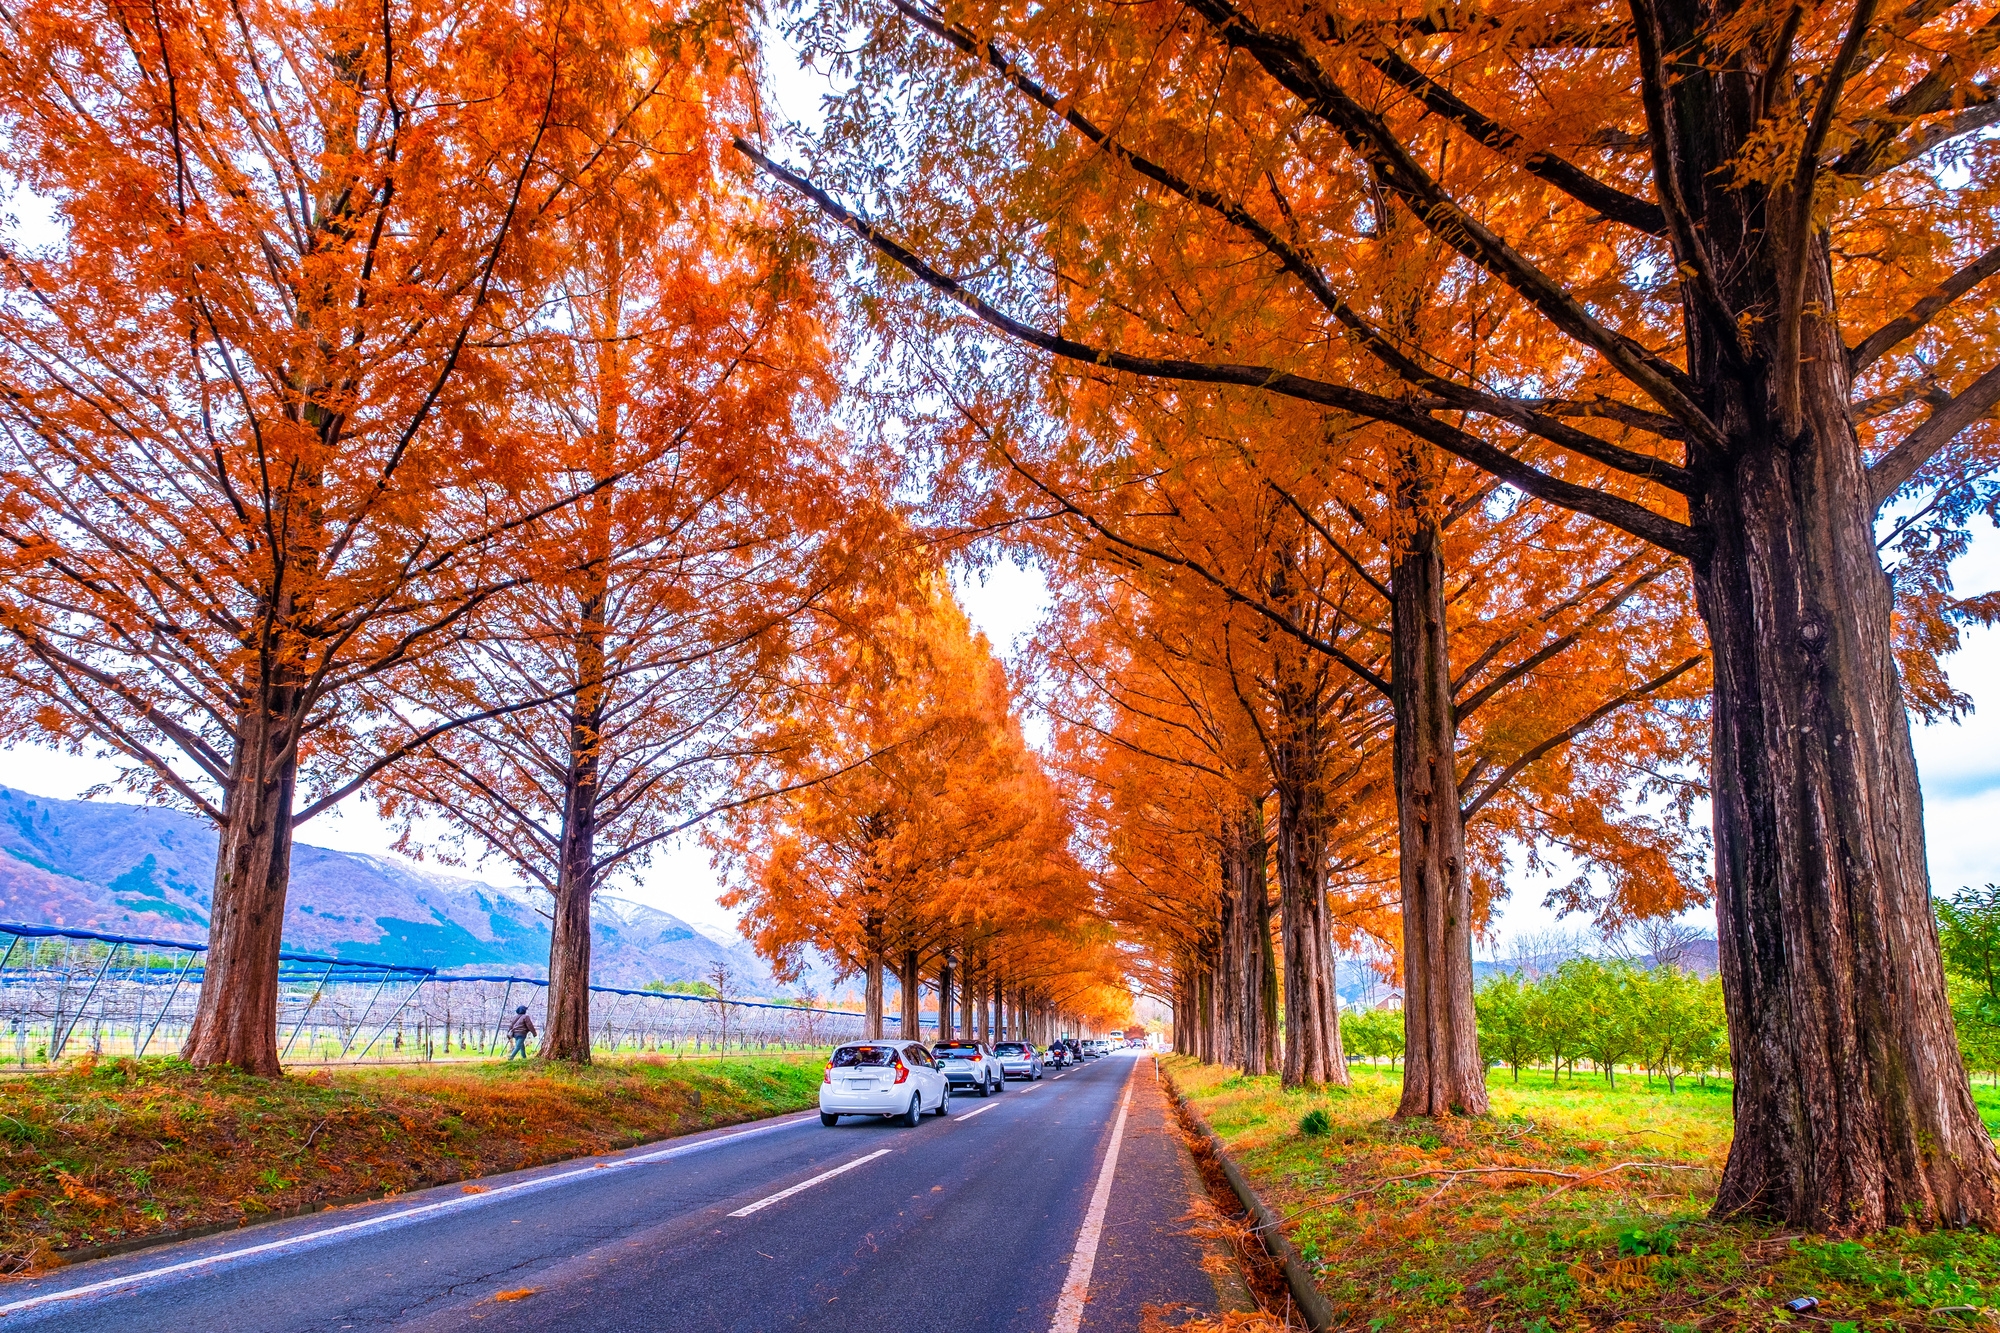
column 1604, row 996
column 1969, row 929
column 1677, row 1016
column 1507, row 1030
column 1558, row 1008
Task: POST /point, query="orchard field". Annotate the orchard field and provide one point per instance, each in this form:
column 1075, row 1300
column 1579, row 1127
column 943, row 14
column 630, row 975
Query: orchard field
column 1575, row 1206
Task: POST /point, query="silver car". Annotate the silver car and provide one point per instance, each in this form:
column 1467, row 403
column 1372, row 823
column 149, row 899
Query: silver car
column 1018, row 1060
column 969, row 1064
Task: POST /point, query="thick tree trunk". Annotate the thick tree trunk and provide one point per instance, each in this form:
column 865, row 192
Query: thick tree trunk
column 236, row 1010
column 1228, row 977
column 1853, row 1108
column 912, row 986
column 1183, row 1008
column 945, row 1025
column 871, row 997
column 1344, row 1076
column 1442, row 1071
column 1249, row 919
column 1309, row 1008
column 1268, row 969
column 1211, row 1014
column 1204, row 1000
column 566, row 1031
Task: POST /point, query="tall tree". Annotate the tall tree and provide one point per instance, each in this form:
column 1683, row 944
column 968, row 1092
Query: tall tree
column 680, row 386
column 1682, row 344
column 939, row 836
column 258, row 450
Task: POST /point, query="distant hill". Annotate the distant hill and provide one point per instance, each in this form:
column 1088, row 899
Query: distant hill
column 141, row 870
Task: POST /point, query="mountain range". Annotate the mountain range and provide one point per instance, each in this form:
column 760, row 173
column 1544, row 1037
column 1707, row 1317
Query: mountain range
column 143, row 870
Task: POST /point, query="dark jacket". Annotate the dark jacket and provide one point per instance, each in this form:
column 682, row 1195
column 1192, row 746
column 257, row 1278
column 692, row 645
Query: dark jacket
column 522, row 1026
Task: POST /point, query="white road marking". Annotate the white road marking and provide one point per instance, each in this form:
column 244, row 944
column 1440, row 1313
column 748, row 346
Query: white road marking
column 387, row 1220
column 981, row 1111
column 1069, row 1307
column 808, row 1184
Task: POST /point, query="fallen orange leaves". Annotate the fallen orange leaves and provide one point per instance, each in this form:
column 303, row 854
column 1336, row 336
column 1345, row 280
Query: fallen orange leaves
column 107, row 1154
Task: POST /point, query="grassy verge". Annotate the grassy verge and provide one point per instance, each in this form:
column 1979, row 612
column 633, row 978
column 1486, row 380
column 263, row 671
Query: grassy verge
column 103, row 1152
column 1411, row 1227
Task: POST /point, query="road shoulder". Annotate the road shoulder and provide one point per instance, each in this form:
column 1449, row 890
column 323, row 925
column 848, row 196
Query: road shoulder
column 1155, row 1266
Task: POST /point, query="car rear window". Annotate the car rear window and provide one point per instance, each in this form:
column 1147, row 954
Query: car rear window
column 956, row 1052
column 1010, row 1048
column 866, row 1057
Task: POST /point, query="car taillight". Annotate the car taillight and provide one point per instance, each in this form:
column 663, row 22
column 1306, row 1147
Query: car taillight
column 827, row 1077
column 902, row 1071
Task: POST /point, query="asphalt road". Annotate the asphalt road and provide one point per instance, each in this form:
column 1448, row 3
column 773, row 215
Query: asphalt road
column 1000, row 1216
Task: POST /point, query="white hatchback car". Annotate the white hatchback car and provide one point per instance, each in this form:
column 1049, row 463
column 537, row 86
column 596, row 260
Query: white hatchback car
column 888, row 1078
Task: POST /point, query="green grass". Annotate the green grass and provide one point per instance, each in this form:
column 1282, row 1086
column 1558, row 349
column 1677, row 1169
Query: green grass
column 1987, row 1098
column 1399, row 1243
column 100, row 1152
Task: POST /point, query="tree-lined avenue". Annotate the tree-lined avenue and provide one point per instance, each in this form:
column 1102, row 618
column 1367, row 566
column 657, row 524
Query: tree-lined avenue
column 651, row 1238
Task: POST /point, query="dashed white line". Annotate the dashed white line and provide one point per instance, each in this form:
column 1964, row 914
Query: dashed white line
column 808, row 1184
column 981, row 1111
column 386, row 1220
column 1076, row 1288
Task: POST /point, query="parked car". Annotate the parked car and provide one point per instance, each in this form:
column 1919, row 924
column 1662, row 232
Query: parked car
column 1091, row 1050
column 1075, row 1049
column 886, row 1078
column 970, row 1064
column 1018, row 1059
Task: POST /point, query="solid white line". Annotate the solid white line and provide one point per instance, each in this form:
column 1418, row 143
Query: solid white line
column 981, row 1111
column 311, row 1238
column 1069, row 1307
column 808, row 1184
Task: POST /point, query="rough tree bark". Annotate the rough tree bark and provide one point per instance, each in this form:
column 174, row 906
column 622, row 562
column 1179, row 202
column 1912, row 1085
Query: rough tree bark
column 945, row 1024
column 236, row 1011
column 566, row 1034
column 1309, row 1004
column 1249, row 907
column 1336, row 1049
column 1228, row 976
column 871, row 996
column 1442, row 1071
column 1183, row 1008
column 1273, row 1053
column 1853, row 1109
column 910, row 981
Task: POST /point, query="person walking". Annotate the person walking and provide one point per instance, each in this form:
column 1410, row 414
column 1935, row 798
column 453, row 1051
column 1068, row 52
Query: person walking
column 522, row 1028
